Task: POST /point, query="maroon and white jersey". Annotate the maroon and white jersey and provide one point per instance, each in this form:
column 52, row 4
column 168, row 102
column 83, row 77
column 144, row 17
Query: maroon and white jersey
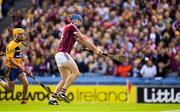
column 68, row 38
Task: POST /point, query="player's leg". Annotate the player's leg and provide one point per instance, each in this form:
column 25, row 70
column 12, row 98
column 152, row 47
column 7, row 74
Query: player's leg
column 71, row 65
column 9, row 85
column 64, row 74
column 4, row 84
column 23, row 79
column 60, row 59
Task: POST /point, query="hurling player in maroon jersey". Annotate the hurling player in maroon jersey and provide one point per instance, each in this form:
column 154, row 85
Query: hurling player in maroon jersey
column 66, row 65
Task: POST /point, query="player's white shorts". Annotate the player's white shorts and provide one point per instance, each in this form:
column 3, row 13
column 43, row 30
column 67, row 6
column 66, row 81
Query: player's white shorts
column 62, row 57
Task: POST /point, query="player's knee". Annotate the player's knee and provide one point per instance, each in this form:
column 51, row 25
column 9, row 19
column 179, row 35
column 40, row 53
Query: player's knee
column 77, row 73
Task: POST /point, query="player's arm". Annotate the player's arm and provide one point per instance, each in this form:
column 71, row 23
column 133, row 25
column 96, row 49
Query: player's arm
column 81, row 38
column 13, row 62
column 22, row 67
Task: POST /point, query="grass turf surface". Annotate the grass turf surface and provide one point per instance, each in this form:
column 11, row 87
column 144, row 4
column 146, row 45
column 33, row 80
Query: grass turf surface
column 87, row 107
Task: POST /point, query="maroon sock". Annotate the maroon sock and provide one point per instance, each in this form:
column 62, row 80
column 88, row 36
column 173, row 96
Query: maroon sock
column 63, row 91
column 54, row 95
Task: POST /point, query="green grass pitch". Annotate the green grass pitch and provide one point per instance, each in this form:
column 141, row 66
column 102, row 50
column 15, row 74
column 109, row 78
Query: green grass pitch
column 87, row 107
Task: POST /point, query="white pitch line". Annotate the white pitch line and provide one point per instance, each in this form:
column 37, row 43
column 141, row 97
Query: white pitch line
column 171, row 111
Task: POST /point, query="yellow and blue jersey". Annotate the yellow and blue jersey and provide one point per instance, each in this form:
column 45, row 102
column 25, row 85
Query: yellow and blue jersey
column 13, row 51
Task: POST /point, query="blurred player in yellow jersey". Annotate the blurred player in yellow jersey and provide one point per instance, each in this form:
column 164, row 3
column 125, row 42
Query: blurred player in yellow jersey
column 15, row 68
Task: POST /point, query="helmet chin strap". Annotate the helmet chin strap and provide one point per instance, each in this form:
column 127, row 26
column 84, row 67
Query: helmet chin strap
column 72, row 22
column 19, row 40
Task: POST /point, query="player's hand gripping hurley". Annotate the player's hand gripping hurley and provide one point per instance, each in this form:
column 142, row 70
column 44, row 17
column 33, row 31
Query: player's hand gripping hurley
column 118, row 58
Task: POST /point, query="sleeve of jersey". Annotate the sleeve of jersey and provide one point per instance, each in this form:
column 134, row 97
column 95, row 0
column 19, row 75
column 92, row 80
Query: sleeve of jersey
column 10, row 52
